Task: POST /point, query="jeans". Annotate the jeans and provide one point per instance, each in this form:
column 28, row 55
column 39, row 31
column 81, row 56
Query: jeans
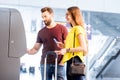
column 50, row 71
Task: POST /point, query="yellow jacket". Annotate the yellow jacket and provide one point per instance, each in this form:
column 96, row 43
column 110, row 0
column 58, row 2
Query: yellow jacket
column 69, row 43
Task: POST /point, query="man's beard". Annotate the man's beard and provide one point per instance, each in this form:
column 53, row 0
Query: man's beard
column 47, row 23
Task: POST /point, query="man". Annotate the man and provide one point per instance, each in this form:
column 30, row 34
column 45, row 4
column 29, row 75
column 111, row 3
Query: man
column 46, row 37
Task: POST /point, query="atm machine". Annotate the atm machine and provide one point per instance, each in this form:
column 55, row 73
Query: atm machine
column 12, row 43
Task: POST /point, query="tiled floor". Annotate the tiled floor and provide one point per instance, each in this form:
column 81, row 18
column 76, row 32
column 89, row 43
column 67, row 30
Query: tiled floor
column 30, row 76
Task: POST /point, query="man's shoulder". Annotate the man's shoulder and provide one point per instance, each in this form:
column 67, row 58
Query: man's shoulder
column 42, row 29
column 61, row 25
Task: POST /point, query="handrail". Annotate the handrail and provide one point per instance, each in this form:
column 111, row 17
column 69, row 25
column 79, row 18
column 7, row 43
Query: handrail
column 97, row 56
column 111, row 53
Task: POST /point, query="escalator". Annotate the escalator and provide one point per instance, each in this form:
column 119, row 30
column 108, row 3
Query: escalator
column 105, row 65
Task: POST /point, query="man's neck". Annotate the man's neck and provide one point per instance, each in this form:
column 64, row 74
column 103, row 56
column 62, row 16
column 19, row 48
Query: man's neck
column 53, row 24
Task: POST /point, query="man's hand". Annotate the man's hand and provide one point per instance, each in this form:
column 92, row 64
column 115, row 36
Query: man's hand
column 31, row 51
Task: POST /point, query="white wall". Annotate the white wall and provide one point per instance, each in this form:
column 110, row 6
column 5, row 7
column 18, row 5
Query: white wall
column 91, row 5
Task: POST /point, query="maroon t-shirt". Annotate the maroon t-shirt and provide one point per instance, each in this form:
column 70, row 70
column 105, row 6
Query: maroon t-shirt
column 46, row 36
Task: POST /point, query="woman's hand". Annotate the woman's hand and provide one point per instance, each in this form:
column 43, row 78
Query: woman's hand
column 61, row 52
column 60, row 44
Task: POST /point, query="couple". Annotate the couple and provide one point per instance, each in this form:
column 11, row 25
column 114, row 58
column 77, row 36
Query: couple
column 64, row 45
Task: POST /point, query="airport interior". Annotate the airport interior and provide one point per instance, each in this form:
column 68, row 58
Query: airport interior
column 20, row 21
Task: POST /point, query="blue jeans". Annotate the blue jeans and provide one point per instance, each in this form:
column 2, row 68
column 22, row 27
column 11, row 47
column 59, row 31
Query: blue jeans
column 50, row 71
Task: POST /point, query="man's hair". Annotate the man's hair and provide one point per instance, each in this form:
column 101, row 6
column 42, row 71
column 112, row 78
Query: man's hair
column 50, row 10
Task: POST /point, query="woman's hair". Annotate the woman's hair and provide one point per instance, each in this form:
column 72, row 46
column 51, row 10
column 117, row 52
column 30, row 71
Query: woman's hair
column 50, row 10
column 76, row 15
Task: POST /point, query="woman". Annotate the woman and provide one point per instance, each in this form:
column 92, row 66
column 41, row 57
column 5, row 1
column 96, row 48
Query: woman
column 74, row 17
